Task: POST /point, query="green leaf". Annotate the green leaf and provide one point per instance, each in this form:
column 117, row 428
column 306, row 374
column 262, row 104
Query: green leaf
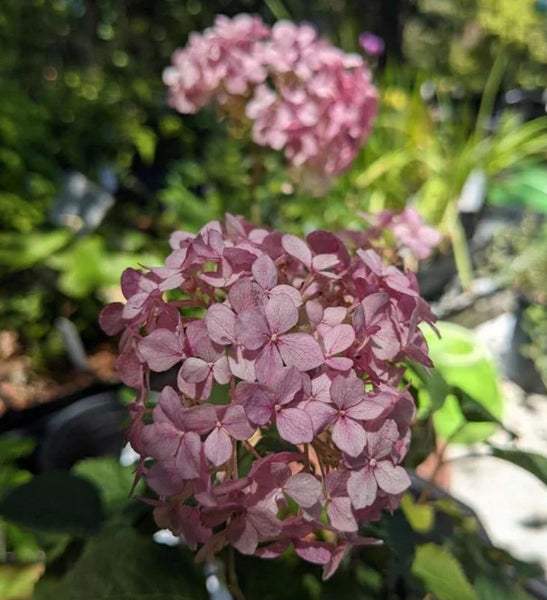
column 488, row 589
column 420, row 516
column 56, row 502
column 22, row 251
column 12, row 448
column 113, row 481
column 123, row 565
column 441, row 573
column 530, row 461
column 17, row 582
column 475, row 412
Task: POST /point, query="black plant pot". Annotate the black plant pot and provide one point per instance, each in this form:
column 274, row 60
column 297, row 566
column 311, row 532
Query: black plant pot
column 70, row 429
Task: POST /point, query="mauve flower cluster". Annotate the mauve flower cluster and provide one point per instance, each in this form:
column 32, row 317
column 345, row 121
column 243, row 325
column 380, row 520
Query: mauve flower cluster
column 284, row 422
column 410, row 233
column 302, row 95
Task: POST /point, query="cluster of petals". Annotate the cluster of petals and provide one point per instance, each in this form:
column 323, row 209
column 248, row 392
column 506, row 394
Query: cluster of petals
column 411, row 235
column 302, row 95
column 281, row 420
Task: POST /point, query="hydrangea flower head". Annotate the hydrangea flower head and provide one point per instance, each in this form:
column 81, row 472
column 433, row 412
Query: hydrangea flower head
column 302, row 95
column 260, row 335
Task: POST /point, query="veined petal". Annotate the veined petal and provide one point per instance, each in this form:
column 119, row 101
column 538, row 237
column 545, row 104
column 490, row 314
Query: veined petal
column 221, row 370
column 340, row 514
column 237, row 423
column 294, row 425
column 161, row 350
column 349, row 436
column 338, row 339
column 218, row 446
column 252, row 328
column 265, row 272
column 195, row 370
column 300, row 350
column 362, row 488
column 297, row 248
column 220, row 322
column 391, row 479
column 304, row 489
column 281, row 313
column 188, row 457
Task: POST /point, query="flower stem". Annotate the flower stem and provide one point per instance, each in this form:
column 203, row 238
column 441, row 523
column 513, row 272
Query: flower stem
column 231, row 573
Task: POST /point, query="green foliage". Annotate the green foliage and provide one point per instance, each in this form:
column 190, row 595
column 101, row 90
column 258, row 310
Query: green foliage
column 17, row 582
column 54, row 502
column 113, row 481
column 534, row 463
column 456, row 42
column 463, row 391
column 120, row 564
column 441, row 573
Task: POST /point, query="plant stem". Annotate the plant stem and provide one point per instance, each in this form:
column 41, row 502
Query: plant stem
column 257, row 170
column 440, row 463
column 462, row 257
column 231, row 574
column 491, row 89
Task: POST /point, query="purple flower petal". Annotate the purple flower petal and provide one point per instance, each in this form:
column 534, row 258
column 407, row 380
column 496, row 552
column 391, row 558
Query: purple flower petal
column 252, row 329
column 339, row 363
column 362, row 488
column 297, row 248
column 300, row 350
column 338, row 339
column 162, row 349
column 281, row 313
column 257, row 400
column 349, row 436
column 294, row 425
column 391, row 479
column 220, row 321
column 237, row 424
column 218, row 446
column 195, row 370
column 321, row 414
column 318, row 553
column 188, row 457
column 221, row 370
column 340, row 514
column 265, row 272
column 304, row 489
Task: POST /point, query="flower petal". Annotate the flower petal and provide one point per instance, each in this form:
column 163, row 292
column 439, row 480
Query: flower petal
column 237, row 423
column 341, row 515
column 297, row 248
column 300, row 350
column 294, row 425
column 349, row 436
column 218, row 446
column 220, row 322
column 265, row 272
column 304, row 489
column 391, row 479
column 338, row 339
column 161, row 349
column 281, row 313
column 362, row 488
column 252, row 328
column 195, row 370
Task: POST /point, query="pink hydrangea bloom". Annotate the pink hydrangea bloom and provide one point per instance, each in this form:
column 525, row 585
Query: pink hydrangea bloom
column 270, row 335
column 408, row 228
column 302, row 95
